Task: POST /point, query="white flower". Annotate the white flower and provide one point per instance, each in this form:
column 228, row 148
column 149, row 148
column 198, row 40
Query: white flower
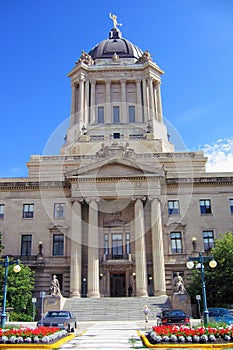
column 204, row 338
column 12, row 339
column 196, row 339
column 212, row 337
column 173, row 338
column 189, row 339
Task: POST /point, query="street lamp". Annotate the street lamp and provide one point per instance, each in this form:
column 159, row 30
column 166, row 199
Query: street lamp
column 6, row 263
column 200, row 264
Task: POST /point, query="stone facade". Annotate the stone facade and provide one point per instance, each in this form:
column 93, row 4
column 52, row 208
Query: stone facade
column 118, row 207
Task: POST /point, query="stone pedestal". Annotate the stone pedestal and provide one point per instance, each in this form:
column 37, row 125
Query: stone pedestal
column 53, row 302
column 182, row 301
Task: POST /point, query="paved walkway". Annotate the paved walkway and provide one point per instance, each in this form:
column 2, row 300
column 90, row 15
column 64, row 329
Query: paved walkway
column 108, row 335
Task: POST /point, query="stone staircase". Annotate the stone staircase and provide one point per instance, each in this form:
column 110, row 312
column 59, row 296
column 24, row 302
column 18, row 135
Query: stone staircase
column 124, row 309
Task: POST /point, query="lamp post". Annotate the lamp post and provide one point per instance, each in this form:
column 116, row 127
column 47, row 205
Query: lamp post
column 200, row 259
column 6, row 263
column 34, row 300
column 150, row 286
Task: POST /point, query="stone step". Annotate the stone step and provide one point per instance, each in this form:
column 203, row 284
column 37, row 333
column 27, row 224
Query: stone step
column 105, row 309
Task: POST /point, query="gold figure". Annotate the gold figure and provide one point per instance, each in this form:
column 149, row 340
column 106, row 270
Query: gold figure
column 114, row 19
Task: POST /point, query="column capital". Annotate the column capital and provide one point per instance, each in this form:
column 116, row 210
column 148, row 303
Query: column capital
column 92, row 81
column 77, row 199
column 151, row 198
column 81, row 79
column 90, row 199
column 135, row 198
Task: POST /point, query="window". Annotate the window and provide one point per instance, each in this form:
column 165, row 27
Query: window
column 58, row 245
column 2, row 209
column 106, row 244
column 116, row 115
column 116, row 135
column 173, row 207
column 59, row 210
column 127, row 243
column 26, row 245
column 117, row 245
column 176, row 243
column 231, row 206
column 208, row 240
column 205, row 206
column 28, row 211
column 100, row 115
column 131, row 114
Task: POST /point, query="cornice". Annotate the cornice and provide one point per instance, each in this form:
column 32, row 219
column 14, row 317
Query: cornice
column 33, row 185
column 143, row 178
column 200, row 181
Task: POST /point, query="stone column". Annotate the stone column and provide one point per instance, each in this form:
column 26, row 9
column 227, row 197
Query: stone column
column 152, row 103
column 155, row 99
column 139, row 114
column 108, row 102
column 145, row 100
column 87, row 104
column 93, row 249
column 75, row 249
column 93, row 106
column 159, row 102
column 140, row 249
column 124, row 112
column 157, row 247
column 81, row 98
column 73, row 105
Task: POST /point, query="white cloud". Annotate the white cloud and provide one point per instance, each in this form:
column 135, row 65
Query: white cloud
column 220, row 155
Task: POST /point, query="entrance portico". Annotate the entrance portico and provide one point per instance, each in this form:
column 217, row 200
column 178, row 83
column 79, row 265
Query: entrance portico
column 122, row 249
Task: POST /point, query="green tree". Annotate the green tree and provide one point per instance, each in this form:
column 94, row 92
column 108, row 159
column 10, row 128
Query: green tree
column 19, row 291
column 218, row 281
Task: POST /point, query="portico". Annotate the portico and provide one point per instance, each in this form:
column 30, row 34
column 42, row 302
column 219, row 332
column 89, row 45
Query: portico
column 112, row 212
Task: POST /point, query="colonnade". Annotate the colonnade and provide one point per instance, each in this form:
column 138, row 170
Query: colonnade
column 147, row 101
column 140, row 248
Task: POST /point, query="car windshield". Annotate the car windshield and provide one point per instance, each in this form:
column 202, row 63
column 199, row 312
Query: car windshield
column 57, row 314
column 176, row 313
column 219, row 312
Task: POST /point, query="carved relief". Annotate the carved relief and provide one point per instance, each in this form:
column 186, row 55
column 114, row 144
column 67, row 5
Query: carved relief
column 115, row 150
column 116, row 220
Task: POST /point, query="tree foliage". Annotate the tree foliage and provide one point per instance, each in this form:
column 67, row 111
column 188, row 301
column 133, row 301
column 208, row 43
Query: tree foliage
column 218, row 281
column 19, row 290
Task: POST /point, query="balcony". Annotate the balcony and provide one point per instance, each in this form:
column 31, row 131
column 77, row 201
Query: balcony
column 116, row 259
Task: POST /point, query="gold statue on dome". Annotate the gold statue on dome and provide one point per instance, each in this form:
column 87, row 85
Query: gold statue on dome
column 114, row 19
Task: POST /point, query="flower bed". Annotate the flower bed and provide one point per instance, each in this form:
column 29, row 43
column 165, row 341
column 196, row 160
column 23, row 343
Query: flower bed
column 162, row 335
column 39, row 335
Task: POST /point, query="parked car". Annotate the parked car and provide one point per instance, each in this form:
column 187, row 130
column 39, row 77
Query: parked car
column 59, row 318
column 173, row 317
column 220, row 314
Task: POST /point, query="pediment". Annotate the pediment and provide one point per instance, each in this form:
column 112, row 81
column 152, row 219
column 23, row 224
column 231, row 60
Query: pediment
column 115, row 167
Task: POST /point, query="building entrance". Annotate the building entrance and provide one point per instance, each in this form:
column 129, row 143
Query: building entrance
column 117, row 285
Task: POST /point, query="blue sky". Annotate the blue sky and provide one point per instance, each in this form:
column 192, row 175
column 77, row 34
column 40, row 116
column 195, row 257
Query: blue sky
column 191, row 40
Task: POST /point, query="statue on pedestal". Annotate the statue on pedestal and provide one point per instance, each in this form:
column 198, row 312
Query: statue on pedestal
column 55, row 287
column 179, row 284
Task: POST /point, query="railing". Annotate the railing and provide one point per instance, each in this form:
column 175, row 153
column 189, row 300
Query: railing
column 42, row 260
column 127, row 257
